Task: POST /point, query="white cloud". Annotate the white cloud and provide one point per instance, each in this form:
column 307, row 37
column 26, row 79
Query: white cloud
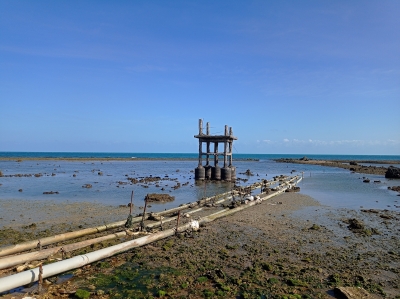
column 344, row 142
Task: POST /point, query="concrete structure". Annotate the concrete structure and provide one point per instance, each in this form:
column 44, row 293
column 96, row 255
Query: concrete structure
column 208, row 172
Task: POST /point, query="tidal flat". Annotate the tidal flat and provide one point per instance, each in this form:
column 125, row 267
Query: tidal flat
column 294, row 246
column 290, row 247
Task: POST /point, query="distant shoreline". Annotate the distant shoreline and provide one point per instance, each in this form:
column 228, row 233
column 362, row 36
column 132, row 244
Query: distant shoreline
column 20, row 159
column 83, row 159
column 352, row 165
column 322, row 162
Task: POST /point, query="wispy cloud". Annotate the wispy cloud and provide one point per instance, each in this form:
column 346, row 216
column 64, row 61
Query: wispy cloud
column 349, row 142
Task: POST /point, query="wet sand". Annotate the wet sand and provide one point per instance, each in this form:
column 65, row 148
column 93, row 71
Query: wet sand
column 44, row 213
column 289, row 246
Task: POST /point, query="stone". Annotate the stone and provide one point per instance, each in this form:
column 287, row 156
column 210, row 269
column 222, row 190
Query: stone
column 159, row 197
column 392, row 173
column 351, row 293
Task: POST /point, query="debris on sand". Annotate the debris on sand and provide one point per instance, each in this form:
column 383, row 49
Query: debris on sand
column 159, row 197
column 293, row 189
column 357, row 226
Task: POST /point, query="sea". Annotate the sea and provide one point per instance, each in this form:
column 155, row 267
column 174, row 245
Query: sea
column 333, row 187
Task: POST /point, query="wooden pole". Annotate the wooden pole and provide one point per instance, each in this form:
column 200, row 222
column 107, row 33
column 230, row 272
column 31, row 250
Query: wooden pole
column 177, row 222
column 40, row 278
column 144, row 213
column 130, row 210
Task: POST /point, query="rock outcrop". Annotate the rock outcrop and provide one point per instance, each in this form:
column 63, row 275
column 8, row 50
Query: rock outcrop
column 159, row 197
column 392, row 173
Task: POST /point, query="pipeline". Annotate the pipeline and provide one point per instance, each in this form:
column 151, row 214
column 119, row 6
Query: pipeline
column 10, row 261
column 88, row 231
column 13, row 281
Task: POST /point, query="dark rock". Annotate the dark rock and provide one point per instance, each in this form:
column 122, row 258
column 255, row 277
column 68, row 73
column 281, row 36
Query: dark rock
column 159, row 197
column 392, row 173
column 304, row 159
column 315, row 227
column 293, row 189
column 247, row 172
column 366, row 181
column 370, row 211
column 353, row 163
column 394, row 188
column 355, row 224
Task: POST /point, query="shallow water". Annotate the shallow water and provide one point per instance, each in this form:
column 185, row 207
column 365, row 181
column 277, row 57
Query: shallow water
column 334, row 187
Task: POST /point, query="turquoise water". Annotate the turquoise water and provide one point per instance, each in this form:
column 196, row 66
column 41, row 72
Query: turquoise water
column 331, row 186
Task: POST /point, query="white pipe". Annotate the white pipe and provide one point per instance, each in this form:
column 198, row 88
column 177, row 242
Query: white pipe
column 16, row 280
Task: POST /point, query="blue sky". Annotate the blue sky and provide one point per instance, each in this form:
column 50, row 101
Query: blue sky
column 318, row 77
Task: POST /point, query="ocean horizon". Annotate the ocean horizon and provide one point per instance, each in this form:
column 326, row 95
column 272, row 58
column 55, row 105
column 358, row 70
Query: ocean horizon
column 189, row 156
